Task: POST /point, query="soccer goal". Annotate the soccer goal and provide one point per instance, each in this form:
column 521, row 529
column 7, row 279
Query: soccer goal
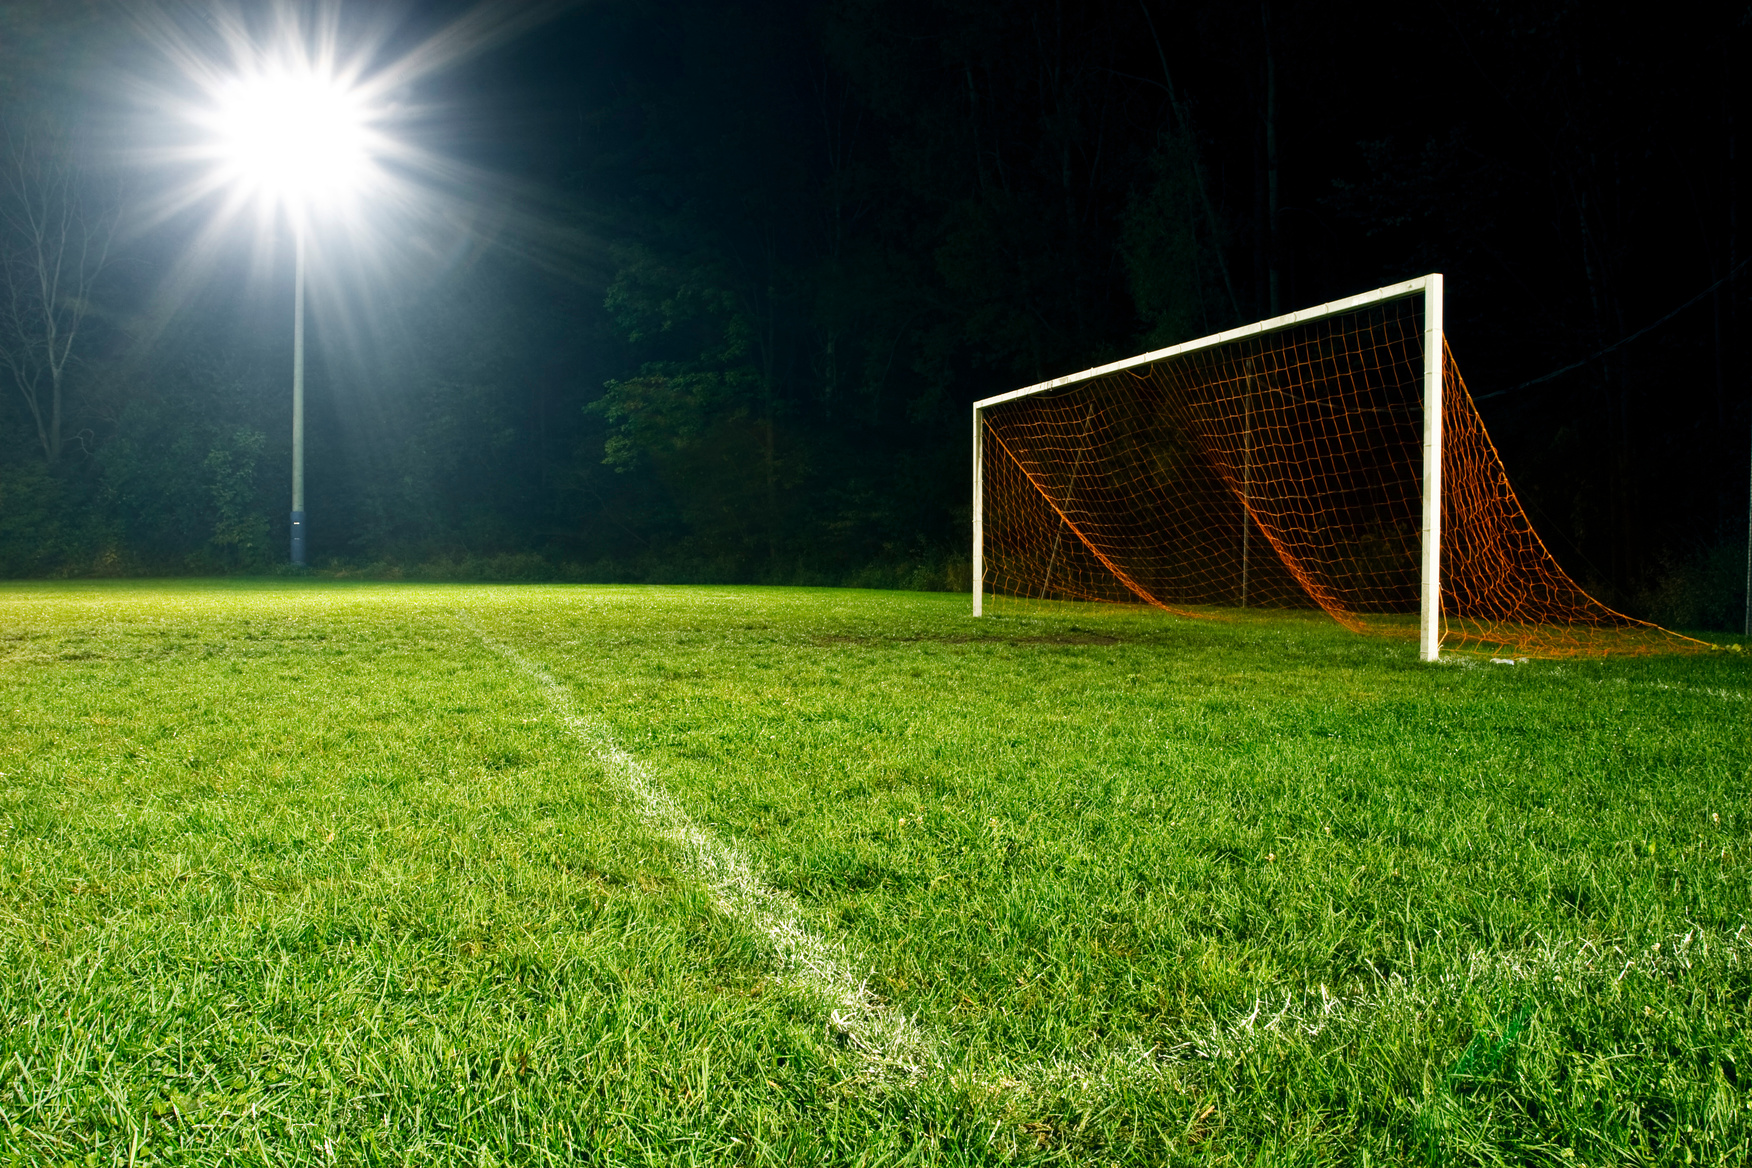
column 1327, row 458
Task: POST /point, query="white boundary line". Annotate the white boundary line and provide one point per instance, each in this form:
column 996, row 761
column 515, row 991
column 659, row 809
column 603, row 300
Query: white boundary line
column 892, row 1042
column 1726, row 695
column 877, row 1031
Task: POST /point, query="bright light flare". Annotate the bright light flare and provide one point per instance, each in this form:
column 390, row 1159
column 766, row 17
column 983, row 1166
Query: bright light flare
column 292, row 113
column 293, row 136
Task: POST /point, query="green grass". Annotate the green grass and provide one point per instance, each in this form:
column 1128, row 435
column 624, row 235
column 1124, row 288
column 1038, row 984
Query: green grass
column 301, row 873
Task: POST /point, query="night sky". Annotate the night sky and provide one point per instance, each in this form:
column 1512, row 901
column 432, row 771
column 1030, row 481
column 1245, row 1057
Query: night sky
column 702, row 291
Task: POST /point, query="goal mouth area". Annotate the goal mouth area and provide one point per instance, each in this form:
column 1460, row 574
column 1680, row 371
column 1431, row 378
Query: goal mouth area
column 1283, row 465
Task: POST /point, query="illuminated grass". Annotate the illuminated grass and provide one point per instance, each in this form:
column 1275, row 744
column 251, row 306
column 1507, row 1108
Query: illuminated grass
column 293, row 871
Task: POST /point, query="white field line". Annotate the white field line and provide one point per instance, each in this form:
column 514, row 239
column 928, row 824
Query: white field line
column 1726, row 695
column 892, row 1042
column 875, row 1030
column 1329, row 1023
column 1582, row 964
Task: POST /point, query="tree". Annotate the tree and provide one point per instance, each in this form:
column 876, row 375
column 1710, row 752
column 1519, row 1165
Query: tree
column 56, row 228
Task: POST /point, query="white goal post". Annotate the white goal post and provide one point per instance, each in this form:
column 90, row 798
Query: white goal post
column 1430, row 563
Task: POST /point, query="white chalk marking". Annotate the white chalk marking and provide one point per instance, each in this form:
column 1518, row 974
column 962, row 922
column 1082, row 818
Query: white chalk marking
column 875, row 1030
column 892, row 1042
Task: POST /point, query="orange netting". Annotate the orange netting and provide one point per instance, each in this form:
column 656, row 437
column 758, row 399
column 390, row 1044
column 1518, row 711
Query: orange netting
column 1281, row 470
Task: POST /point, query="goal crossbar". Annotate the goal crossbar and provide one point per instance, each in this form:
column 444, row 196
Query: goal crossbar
column 1275, row 324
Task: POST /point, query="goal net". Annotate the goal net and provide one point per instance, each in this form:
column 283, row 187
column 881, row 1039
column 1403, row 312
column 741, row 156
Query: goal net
column 1282, row 465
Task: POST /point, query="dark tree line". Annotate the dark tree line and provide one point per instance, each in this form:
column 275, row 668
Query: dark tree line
column 748, row 263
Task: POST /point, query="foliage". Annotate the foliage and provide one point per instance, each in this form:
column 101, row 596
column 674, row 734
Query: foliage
column 705, row 381
column 240, row 531
column 58, row 219
column 1706, row 590
column 181, row 479
column 1170, row 261
column 50, row 525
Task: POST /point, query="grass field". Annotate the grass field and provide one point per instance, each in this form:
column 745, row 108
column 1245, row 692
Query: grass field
column 307, row 873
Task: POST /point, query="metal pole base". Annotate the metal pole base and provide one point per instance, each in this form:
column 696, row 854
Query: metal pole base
column 298, row 539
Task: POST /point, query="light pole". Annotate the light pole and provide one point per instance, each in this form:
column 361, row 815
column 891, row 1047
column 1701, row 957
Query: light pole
column 294, row 136
column 298, row 401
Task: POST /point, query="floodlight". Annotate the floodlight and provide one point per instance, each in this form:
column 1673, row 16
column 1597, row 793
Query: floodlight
column 295, row 136
column 290, row 112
